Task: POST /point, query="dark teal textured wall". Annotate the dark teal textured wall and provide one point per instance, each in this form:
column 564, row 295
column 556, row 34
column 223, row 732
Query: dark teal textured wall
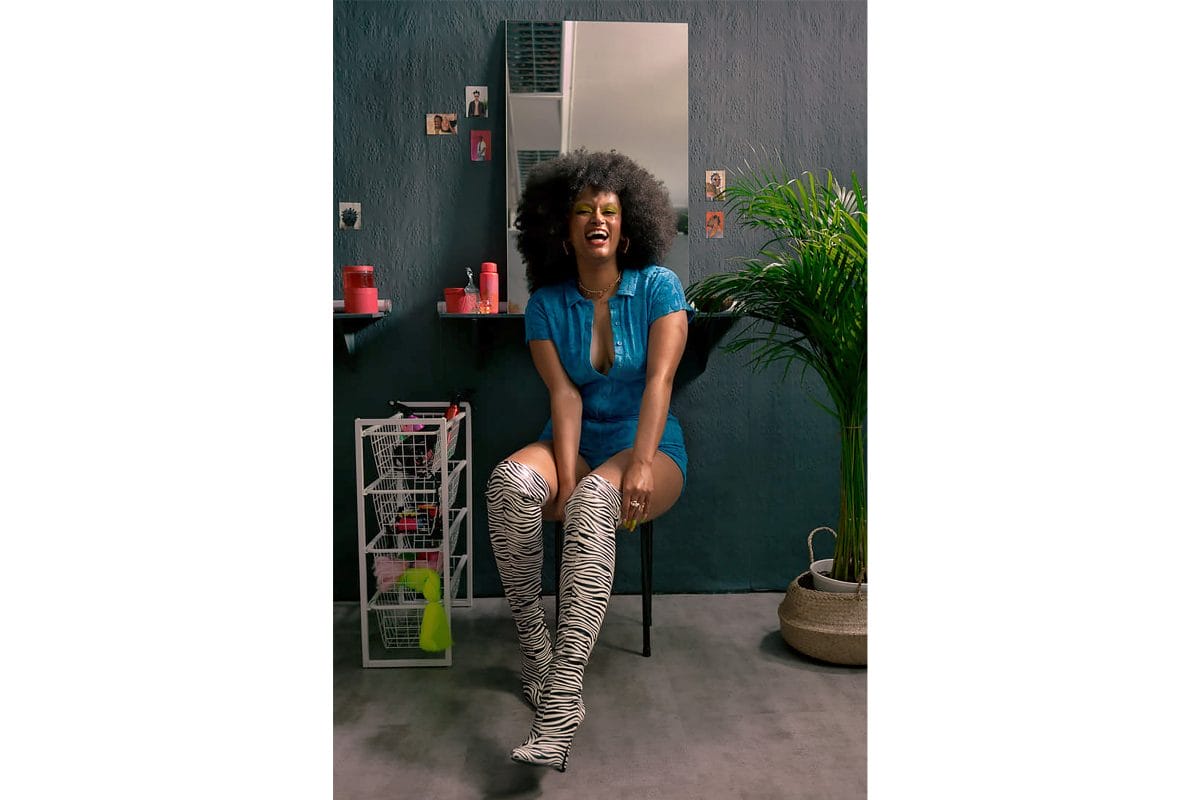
column 785, row 76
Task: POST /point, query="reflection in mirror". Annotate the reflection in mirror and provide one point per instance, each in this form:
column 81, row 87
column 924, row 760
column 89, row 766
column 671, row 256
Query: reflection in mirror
column 604, row 86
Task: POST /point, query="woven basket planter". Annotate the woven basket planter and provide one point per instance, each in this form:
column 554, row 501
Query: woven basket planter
column 825, row 625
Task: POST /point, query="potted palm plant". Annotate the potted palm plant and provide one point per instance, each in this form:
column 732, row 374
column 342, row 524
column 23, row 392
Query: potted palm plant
column 805, row 293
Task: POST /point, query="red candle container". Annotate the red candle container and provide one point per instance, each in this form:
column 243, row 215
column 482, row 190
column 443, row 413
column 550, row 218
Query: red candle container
column 454, row 299
column 358, row 287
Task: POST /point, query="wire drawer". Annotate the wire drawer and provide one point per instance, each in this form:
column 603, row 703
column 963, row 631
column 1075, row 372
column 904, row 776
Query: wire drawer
column 399, row 610
column 413, row 508
column 412, row 447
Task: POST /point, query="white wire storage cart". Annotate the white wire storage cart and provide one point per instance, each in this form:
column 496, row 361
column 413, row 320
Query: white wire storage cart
column 414, row 513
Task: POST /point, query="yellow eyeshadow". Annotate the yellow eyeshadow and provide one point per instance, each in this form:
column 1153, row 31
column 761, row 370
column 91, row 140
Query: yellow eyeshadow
column 610, row 210
column 583, row 207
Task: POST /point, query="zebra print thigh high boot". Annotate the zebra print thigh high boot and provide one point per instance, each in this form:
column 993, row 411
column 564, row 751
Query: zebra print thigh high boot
column 588, row 558
column 515, row 496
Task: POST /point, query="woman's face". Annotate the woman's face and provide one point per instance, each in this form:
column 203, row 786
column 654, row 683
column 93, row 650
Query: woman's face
column 595, row 224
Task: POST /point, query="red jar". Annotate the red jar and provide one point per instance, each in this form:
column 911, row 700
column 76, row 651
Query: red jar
column 358, row 287
column 454, row 299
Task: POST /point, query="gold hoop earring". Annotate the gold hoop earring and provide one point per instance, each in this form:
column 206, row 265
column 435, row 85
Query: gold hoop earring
column 566, row 252
column 625, row 251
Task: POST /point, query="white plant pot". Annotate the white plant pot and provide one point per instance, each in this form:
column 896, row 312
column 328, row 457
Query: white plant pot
column 823, row 583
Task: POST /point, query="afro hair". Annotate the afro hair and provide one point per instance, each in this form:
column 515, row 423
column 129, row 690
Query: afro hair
column 647, row 217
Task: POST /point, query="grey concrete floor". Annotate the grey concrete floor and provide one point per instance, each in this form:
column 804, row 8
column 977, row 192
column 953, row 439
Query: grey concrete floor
column 722, row 708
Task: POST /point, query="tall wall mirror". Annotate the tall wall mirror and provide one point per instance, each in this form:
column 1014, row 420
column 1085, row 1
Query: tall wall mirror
column 604, row 86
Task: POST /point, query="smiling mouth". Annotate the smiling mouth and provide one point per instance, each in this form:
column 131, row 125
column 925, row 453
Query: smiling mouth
column 597, row 237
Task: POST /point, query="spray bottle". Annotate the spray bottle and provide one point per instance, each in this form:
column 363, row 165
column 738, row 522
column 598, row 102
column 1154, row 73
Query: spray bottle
column 470, row 295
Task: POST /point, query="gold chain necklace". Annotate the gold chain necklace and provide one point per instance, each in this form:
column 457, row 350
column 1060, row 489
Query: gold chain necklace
column 598, row 292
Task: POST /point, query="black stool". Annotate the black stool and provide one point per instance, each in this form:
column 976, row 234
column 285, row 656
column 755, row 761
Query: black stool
column 646, row 531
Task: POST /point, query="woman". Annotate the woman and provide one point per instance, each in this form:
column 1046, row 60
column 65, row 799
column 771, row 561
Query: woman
column 606, row 327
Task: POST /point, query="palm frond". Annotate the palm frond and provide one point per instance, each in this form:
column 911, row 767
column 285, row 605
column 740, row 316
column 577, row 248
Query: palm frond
column 808, row 284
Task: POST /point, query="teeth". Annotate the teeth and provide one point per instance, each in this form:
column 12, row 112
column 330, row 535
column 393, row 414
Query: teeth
column 597, row 235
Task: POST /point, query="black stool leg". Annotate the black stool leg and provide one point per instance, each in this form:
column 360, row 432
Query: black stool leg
column 647, row 534
column 650, row 572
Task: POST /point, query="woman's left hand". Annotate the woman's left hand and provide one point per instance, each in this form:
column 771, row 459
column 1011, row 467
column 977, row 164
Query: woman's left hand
column 637, row 485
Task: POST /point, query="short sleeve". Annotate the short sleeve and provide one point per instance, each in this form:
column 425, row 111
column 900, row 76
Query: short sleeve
column 666, row 295
column 537, row 321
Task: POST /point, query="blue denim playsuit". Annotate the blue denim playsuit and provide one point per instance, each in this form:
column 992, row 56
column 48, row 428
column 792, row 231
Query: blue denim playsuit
column 611, row 402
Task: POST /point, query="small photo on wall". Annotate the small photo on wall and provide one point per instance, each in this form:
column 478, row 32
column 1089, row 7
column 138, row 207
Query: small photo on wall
column 481, row 145
column 350, row 216
column 714, row 224
column 477, row 102
column 714, row 183
column 441, row 124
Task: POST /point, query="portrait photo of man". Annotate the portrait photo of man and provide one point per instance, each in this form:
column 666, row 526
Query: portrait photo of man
column 477, row 101
column 714, row 184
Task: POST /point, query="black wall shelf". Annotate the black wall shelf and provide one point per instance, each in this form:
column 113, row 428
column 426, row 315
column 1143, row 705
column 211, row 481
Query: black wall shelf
column 348, row 325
